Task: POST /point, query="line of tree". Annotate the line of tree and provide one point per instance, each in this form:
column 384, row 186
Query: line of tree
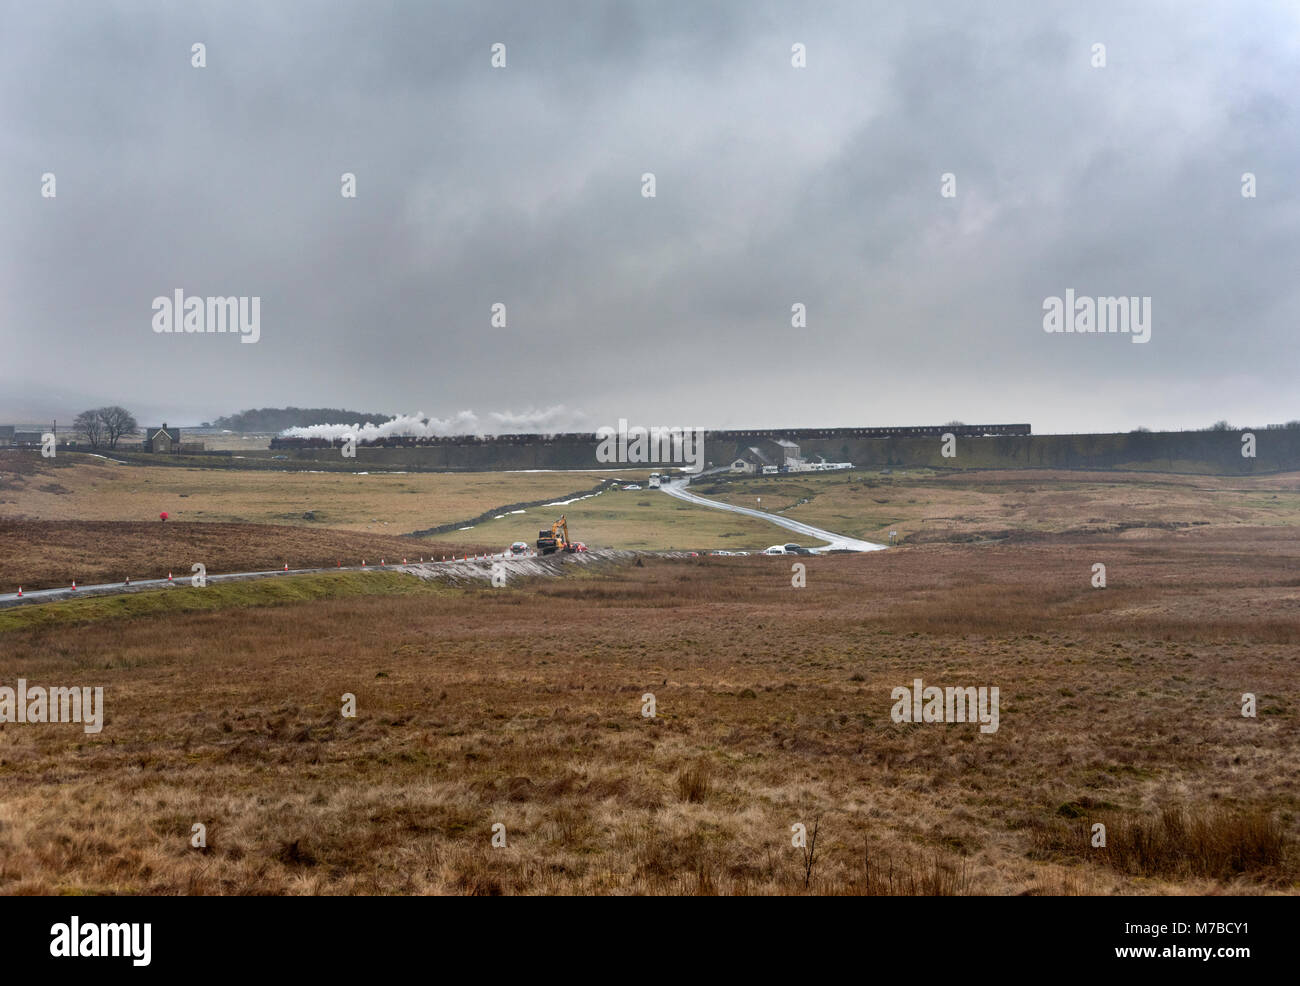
column 105, row 426
column 1224, row 425
column 274, row 419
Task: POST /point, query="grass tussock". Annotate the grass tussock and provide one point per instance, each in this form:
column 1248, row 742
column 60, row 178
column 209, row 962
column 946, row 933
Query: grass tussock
column 1176, row 843
column 695, row 781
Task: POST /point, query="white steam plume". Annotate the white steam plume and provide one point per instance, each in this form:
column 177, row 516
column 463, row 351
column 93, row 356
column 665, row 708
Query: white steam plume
column 544, row 422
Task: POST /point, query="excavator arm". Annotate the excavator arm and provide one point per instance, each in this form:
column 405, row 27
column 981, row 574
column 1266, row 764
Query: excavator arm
column 556, row 540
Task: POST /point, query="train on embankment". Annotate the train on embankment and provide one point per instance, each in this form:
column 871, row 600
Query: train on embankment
column 998, row 446
column 721, row 436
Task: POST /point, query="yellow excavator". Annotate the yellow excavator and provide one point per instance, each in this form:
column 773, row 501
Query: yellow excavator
column 556, row 539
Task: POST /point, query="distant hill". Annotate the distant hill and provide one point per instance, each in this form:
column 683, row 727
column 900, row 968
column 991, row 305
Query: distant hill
column 274, row 419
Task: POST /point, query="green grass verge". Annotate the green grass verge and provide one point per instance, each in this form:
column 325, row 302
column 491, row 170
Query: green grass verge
column 647, row 520
column 275, row 591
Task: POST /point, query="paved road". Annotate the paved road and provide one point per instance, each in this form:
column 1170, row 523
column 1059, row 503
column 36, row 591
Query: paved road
column 836, row 542
column 103, row 588
column 182, row 580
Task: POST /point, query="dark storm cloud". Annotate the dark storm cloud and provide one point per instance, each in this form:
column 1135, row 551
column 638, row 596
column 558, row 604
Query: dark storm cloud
column 775, row 185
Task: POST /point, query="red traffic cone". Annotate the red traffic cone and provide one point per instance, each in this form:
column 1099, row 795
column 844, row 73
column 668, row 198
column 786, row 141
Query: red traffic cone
column 20, row 592
column 363, row 563
column 74, row 583
column 169, row 578
column 128, row 580
column 403, row 561
column 286, row 566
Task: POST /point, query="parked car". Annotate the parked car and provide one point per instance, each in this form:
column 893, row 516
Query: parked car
column 776, row 549
column 631, row 486
column 519, row 548
column 797, row 549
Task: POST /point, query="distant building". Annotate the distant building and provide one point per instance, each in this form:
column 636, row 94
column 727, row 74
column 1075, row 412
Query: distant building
column 752, row 460
column 27, row 438
column 6, row 435
column 787, row 452
column 780, row 455
column 163, row 440
column 742, row 465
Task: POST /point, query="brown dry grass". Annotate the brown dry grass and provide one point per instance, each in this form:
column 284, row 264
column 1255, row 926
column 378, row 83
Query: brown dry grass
column 925, row 506
column 83, row 488
column 379, row 503
column 522, row 706
column 43, row 554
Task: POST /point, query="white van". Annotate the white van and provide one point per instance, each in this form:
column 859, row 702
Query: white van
column 776, row 549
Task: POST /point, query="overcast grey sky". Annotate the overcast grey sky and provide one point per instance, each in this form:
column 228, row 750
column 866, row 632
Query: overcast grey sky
column 775, row 185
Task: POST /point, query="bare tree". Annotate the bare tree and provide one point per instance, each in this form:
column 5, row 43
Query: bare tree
column 117, row 421
column 89, row 424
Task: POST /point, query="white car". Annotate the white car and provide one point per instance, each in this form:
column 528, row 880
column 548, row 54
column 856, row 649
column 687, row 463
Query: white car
column 631, row 486
column 776, row 549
